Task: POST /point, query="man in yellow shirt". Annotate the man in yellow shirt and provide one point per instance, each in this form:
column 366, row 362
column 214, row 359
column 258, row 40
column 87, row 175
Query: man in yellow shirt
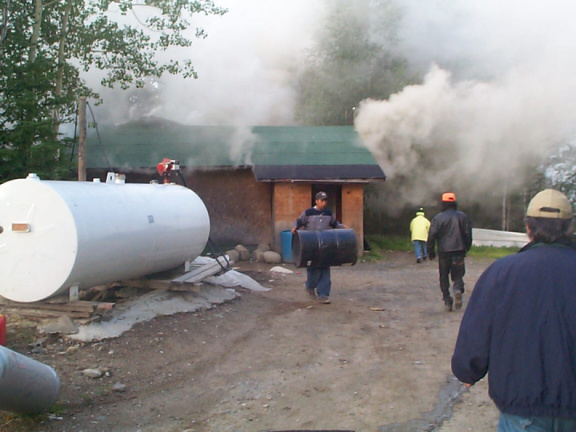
column 419, row 227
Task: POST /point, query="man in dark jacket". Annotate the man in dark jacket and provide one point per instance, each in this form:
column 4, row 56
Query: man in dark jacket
column 520, row 325
column 452, row 230
column 319, row 217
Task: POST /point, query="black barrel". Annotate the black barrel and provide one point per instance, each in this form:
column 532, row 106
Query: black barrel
column 326, row 248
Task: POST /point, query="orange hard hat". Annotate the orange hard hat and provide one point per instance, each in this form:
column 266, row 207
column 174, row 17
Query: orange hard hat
column 448, row 197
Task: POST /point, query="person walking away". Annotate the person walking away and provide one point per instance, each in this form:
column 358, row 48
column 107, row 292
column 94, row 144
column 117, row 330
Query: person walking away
column 319, row 217
column 451, row 229
column 520, row 325
column 419, row 227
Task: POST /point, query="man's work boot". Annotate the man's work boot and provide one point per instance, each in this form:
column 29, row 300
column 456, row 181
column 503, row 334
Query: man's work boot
column 458, row 300
column 448, row 304
column 311, row 292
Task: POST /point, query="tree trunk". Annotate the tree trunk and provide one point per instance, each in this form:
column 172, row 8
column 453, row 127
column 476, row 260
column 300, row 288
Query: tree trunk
column 38, row 6
column 61, row 64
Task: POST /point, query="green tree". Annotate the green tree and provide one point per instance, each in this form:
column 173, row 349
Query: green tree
column 353, row 60
column 45, row 44
column 560, row 171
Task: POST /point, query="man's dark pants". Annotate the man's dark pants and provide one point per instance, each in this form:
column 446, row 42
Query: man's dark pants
column 451, row 265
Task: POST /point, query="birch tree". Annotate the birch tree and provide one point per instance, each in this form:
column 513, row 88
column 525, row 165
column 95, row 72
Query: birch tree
column 47, row 44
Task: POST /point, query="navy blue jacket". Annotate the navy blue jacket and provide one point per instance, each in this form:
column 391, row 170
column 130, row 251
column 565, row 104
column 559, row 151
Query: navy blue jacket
column 520, row 328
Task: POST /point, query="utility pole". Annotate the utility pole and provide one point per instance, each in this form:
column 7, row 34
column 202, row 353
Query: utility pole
column 82, row 139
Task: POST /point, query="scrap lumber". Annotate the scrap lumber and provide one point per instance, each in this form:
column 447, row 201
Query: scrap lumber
column 75, row 309
column 200, row 272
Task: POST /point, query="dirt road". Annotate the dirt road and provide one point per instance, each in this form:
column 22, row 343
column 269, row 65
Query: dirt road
column 375, row 360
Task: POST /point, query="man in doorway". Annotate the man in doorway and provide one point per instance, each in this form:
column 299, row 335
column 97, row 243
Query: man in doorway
column 452, row 230
column 520, row 325
column 319, row 217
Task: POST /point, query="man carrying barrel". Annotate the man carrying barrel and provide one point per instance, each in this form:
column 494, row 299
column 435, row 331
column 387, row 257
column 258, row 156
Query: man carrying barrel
column 318, row 280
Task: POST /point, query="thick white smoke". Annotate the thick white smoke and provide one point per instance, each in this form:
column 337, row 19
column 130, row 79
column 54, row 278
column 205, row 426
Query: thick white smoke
column 246, row 66
column 498, row 88
column 499, row 93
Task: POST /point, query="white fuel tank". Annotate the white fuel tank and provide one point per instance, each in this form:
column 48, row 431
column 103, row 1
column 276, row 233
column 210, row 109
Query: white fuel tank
column 55, row 235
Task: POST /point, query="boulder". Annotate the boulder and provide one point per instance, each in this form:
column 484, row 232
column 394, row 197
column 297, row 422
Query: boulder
column 258, row 255
column 243, row 251
column 263, row 247
column 233, row 255
column 272, row 257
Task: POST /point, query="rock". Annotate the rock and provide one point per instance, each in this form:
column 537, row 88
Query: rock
column 63, row 325
column 119, row 387
column 233, row 255
column 93, row 373
column 278, row 269
column 272, row 257
column 243, row 251
column 263, row 247
column 258, row 255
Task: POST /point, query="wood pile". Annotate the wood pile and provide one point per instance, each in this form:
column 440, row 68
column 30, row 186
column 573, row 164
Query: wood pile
column 86, row 311
column 79, row 310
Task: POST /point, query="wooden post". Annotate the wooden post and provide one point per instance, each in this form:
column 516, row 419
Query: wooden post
column 82, row 139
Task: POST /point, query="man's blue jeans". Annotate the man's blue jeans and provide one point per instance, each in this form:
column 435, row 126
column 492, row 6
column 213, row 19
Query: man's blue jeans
column 319, row 278
column 513, row 423
column 420, row 249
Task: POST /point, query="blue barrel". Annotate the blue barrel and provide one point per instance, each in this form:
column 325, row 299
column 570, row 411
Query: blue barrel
column 326, row 248
column 286, row 238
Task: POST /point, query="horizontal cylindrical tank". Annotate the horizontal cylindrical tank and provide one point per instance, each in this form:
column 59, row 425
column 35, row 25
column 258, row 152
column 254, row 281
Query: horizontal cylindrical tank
column 325, row 248
column 28, row 386
column 60, row 234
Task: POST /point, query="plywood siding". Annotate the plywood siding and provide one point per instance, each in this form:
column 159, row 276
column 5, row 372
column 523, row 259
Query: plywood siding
column 290, row 199
column 353, row 211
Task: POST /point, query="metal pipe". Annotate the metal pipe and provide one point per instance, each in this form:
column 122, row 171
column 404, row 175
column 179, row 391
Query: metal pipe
column 26, row 385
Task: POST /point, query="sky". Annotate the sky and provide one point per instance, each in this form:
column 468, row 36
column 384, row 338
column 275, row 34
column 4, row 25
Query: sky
column 499, row 81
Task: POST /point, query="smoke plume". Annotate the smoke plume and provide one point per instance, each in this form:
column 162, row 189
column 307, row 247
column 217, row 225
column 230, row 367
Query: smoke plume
column 246, row 67
column 495, row 93
column 497, row 97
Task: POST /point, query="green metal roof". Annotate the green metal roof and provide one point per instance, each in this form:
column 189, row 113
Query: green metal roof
column 144, row 144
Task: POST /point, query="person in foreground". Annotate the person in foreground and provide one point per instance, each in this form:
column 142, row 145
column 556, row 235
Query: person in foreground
column 452, row 230
column 318, row 279
column 520, row 325
column 419, row 227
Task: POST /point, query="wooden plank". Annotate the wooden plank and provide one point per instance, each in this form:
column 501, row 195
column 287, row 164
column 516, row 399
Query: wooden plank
column 43, row 313
column 148, row 283
column 79, row 306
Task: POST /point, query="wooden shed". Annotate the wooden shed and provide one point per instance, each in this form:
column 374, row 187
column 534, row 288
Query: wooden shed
column 255, row 181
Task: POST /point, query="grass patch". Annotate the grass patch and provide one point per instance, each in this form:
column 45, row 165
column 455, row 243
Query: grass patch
column 491, row 251
column 380, row 244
